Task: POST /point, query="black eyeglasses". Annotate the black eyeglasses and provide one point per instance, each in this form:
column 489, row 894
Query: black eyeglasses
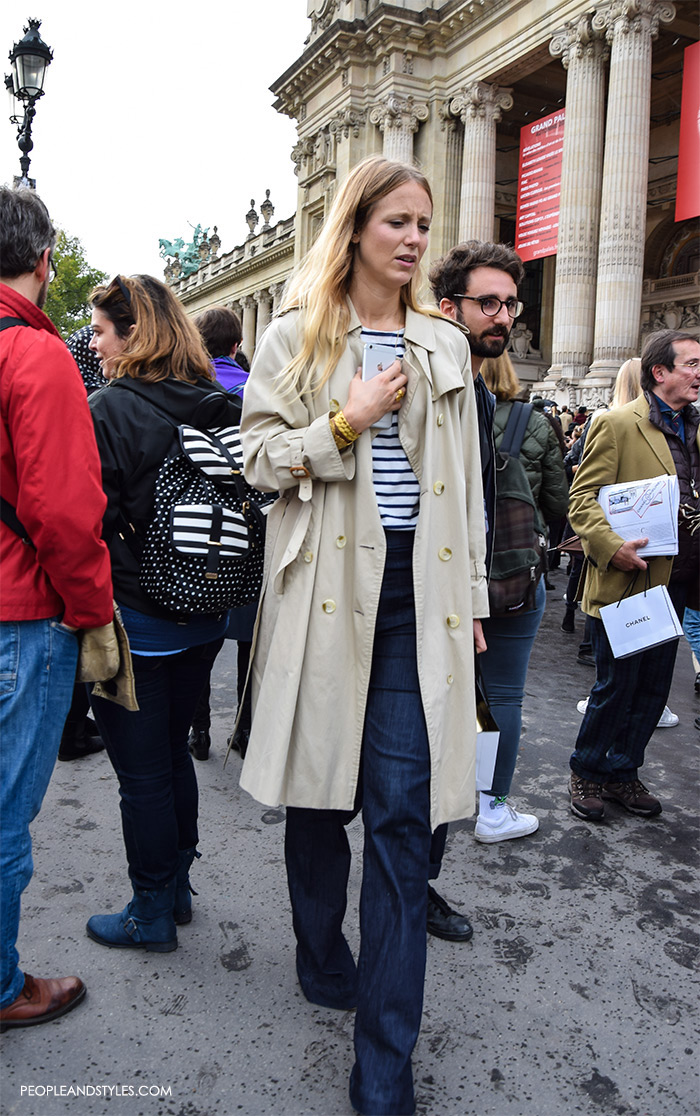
column 490, row 305
column 53, row 270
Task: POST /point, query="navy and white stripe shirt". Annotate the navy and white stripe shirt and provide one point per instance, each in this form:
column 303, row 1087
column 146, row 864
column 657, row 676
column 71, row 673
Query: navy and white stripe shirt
column 395, row 484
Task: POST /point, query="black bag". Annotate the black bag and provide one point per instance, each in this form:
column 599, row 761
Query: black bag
column 518, row 541
column 205, row 546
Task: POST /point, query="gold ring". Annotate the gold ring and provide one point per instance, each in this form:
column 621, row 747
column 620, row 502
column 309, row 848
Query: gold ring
column 400, row 394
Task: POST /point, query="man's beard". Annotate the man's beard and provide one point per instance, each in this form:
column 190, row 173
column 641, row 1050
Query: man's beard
column 43, row 293
column 483, row 346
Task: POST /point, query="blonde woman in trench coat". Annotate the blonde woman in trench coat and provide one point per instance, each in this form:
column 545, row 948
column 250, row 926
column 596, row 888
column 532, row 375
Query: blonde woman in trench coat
column 363, row 691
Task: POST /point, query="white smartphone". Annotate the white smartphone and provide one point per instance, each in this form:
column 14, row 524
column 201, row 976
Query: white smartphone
column 377, row 358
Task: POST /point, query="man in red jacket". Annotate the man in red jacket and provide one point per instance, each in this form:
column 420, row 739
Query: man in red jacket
column 55, row 582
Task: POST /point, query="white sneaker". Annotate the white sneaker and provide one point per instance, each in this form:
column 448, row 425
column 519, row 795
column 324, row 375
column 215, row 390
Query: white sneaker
column 503, row 823
column 666, row 720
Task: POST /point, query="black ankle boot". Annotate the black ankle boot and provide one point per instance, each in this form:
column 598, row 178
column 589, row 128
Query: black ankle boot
column 199, row 743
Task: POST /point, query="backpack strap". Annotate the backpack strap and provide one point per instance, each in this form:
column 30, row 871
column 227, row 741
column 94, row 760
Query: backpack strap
column 8, row 515
column 514, row 432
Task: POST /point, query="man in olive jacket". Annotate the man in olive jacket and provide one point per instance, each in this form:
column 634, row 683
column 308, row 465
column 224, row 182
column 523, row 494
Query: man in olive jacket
column 656, row 433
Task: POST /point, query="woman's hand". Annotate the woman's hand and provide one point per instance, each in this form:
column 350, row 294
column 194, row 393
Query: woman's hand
column 479, row 637
column 368, row 400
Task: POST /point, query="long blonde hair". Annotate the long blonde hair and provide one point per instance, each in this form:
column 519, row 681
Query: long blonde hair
column 320, row 284
column 500, row 377
column 627, row 386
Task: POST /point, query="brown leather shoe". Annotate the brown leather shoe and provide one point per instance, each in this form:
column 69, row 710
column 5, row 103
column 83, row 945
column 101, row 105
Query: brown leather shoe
column 42, row 1000
column 586, row 798
column 635, row 798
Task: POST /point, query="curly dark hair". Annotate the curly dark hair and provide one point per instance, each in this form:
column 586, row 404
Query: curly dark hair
column 450, row 274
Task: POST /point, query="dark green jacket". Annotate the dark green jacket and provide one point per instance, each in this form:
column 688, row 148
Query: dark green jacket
column 542, row 460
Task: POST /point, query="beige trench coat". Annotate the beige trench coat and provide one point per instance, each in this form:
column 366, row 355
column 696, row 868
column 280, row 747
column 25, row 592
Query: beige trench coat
column 324, row 562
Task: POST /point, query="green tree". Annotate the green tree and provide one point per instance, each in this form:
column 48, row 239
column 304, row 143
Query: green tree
column 67, row 301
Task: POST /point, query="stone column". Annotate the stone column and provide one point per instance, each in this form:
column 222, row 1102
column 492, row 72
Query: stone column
column 263, row 300
column 248, row 342
column 583, row 52
column 630, row 26
column 453, row 177
column 480, row 107
column 398, row 119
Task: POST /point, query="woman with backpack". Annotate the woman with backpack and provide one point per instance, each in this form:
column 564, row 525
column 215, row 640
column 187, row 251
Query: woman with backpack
column 160, row 376
column 363, row 670
column 511, row 628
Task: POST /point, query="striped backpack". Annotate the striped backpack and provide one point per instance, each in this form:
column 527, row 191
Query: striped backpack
column 203, row 550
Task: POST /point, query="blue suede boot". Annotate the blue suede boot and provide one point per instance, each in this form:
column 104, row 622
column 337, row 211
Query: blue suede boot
column 182, row 912
column 145, row 923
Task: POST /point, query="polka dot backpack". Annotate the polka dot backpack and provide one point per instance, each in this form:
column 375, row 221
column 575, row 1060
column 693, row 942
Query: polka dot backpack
column 204, row 548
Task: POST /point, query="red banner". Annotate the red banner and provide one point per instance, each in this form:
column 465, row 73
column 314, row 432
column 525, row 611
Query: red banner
column 539, row 182
column 688, row 188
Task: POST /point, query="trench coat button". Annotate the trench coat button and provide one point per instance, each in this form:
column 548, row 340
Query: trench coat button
column 444, row 553
column 308, row 556
column 340, row 541
column 450, row 679
column 438, row 488
column 453, row 620
column 328, row 606
column 440, row 419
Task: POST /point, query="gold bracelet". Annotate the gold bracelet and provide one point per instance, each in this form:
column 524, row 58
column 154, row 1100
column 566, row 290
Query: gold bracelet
column 345, row 428
column 338, row 438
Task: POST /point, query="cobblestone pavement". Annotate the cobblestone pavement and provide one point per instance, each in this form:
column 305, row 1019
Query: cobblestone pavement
column 577, row 993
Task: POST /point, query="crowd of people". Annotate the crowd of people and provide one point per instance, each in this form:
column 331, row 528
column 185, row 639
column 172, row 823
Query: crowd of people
column 414, row 502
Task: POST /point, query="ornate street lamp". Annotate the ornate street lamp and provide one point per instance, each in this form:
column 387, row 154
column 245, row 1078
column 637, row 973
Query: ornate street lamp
column 29, row 59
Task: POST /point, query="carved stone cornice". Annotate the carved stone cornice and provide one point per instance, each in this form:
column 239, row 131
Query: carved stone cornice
column 623, row 17
column 481, row 101
column 578, row 39
column 399, row 112
column 346, row 121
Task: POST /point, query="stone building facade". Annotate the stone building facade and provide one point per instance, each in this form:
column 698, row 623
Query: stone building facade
column 450, row 85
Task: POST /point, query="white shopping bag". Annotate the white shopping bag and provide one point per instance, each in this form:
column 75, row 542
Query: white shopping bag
column 639, row 622
column 487, row 736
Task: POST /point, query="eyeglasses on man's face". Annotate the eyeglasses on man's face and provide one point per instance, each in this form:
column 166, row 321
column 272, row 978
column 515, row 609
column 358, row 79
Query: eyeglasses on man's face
column 691, row 365
column 491, row 306
column 53, row 270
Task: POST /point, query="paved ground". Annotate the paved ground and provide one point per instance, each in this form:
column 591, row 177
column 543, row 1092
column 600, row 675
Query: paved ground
column 577, row 993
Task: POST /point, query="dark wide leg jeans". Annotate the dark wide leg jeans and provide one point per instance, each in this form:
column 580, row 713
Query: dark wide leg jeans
column 148, row 750
column 394, row 795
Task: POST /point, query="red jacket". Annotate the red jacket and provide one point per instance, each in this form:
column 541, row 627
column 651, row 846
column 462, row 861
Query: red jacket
column 50, row 472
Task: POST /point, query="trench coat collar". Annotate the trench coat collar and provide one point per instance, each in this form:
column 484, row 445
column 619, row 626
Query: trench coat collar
column 420, row 337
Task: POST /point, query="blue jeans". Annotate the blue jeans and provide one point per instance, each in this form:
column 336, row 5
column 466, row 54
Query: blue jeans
column 626, row 701
column 504, row 666
column 691, row 628
column 394, row 794
column 38, row 659
column 148, row 750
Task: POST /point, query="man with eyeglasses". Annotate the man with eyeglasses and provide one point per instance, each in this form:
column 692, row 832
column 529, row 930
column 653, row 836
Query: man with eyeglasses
column 56, row 571
column 476, row 284
column 656, row 433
